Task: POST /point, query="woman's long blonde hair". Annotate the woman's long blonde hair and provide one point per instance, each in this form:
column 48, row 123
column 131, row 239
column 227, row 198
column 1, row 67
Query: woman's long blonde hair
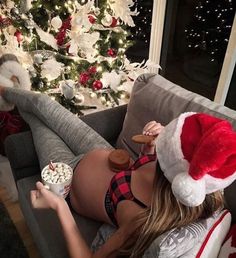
column 165, row 213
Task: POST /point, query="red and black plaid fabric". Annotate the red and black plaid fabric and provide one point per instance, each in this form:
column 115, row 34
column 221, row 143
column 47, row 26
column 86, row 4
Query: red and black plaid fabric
column 120, row 188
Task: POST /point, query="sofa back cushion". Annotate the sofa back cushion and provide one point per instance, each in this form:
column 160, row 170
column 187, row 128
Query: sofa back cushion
column 155, row 98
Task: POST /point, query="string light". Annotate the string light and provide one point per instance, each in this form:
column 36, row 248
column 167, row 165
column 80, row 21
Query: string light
column 93, row 95
column 99, row 68
column 103, row 99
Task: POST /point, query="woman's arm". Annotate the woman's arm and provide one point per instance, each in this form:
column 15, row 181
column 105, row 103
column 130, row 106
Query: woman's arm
column 77, row 247
column 152, row 128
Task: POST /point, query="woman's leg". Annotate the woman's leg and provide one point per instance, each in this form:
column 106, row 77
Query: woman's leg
column 75, row 133
column 48, row 145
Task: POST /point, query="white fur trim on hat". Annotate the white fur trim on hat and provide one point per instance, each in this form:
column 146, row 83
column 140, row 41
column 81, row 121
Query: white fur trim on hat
column 189, row 191
column 213, row 184
column 169, row 149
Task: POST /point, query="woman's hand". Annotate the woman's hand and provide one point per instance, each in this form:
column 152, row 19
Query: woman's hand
column 152, row 128
column 43, row 198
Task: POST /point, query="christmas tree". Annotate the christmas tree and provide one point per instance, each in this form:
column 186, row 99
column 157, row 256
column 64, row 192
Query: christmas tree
column 73, row 48
column 210, row 28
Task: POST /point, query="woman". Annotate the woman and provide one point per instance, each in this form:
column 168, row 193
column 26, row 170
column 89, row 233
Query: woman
column 153, row 202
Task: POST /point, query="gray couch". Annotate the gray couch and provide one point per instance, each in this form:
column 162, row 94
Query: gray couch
column 153, row 98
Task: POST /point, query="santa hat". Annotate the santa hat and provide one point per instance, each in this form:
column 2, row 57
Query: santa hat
column 197, row 154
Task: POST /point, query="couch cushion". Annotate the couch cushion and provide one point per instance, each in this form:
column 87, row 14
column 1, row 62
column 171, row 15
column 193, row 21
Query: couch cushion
column 210, row 244
column 228, row 249
column 155, row 98
column 45, row 226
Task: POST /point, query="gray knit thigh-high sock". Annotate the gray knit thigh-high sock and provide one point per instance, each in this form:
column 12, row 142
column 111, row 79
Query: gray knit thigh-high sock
column 75, row 133
column 48, row 145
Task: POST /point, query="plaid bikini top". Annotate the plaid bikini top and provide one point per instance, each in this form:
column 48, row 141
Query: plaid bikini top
column 120, row 187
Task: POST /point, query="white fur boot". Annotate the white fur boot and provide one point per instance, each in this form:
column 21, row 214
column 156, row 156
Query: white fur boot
column 9, row 69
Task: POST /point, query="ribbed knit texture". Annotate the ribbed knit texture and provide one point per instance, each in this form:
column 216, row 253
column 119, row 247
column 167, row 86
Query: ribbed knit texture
column 58, row 134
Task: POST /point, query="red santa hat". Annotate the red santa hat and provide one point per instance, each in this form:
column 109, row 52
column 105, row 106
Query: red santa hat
column 197, row 154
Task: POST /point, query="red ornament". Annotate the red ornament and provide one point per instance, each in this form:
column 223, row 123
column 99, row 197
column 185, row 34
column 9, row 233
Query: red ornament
column 61, row 35
column 97, row 85
column 92, row 19
column 4, row 22
column 83, row 78
column 111, row 52
column 92, row 69
column 114, row 22
column 18, row 36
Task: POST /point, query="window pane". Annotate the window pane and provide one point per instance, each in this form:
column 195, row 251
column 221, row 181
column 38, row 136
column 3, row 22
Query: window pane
column 231, row 97
column 195, row 39
column 140, row 34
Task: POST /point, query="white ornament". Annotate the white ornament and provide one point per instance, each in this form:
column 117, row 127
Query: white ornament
column 38, row 58
column 56, row 22
column 68, row 88
column 80, row 97
column 107, row 20
column 97, row 11
column 51, row 69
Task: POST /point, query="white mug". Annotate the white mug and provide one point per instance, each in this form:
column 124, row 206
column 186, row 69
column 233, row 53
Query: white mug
column 55, row 181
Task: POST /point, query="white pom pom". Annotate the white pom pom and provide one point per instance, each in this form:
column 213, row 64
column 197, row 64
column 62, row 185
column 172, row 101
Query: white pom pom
column 56, row 22
column 188, row 191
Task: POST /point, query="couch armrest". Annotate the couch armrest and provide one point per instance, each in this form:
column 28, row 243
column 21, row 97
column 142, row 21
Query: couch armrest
column 21, row 153
column 108, row 123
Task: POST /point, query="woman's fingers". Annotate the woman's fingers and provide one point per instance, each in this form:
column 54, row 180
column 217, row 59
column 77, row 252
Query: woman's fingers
column 39, row 185
column 34, row 195
column 152, row 128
